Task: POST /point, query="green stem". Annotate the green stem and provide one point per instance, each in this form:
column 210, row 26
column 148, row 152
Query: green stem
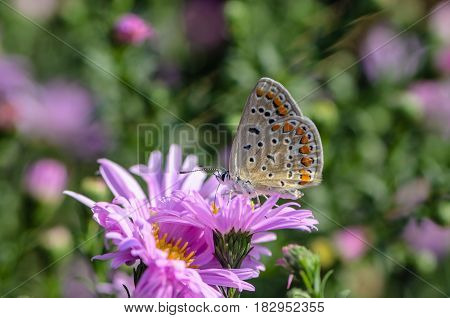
column 233, row 293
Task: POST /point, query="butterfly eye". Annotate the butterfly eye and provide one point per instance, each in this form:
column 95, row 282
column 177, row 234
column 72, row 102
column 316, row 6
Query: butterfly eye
column 271, row 121
column 251, row 159
column 288, row 165
column 287, row 141
column 247, row 147
column 260, row 144
column 274, row 141
column 270, row 175
column 261, row 110
column 253, row 110
column 263, row 168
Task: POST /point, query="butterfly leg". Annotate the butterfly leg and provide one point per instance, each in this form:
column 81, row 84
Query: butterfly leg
column 258, row 201
column 215, row 195
column 229, row 196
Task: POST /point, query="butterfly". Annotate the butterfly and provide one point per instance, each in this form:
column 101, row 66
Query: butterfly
column 276, row 148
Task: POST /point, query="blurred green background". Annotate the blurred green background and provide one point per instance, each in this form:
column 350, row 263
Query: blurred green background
column 77, row 78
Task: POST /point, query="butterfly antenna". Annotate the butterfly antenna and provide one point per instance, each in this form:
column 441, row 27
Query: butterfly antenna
column 201, row 169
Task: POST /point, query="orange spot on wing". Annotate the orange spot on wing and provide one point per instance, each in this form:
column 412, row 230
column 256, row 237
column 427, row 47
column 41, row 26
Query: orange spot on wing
column 288, row 127
column 259, row 92
column 299, row 131
column 276, row 127
column 304, row 139
column 269, row 95
column 277, row 102
column 282, row 110
column 304, row 149
column 305, row 178
column 306, row 161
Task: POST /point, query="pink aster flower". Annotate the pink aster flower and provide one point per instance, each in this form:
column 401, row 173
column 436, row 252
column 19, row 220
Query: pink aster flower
column 162, row 183
column 132, row 29
column 170, row 279
column 236, row 220
column 181, row 252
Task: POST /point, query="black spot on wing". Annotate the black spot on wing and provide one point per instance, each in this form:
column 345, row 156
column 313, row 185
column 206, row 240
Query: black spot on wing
column 253, row 130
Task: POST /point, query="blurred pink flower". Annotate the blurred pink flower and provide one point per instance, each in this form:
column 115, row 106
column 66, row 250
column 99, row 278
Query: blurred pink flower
column 440, row 21
column 132, row 29
column 442, row 60
column 434, row 98
column 425, row 235
column 37, row 9
column 205, row 23
column 46, row 179
column 351, row 243
column 387, row 56
column 78, row 279
column 14, row 76
column 61, row 114
column 8, row 116
column 116, row 287
column 410, row 195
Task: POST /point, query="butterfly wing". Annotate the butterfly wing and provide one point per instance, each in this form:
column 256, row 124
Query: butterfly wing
column 276, row 147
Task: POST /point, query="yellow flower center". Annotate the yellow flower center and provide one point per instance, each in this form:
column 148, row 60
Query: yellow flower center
column 173, row 248
column 214, row 208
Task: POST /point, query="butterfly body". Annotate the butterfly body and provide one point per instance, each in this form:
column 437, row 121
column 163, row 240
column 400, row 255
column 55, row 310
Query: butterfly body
column 276, row 149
